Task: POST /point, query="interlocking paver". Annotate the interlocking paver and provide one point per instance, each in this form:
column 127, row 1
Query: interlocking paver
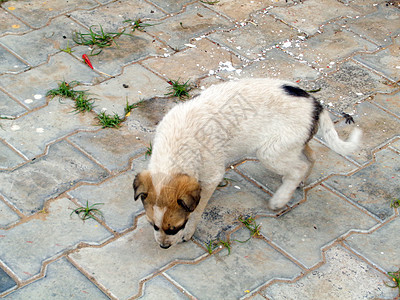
column 374, row 186
column 378, row 128
column 239, row 198
column 343, row 276
column 240, row 11
column 62, row 281
column 38, row 13
column 251, row 40
column 314, row 224
column 31, row 86
column 195, row 21
column 171, row 6
column 395, row 145
column 8, row 157
column 9, row 63
column 10, row 107
column 6, row 282
column 390, row 103
column 378, row 26
column 121, row 265
column 310, row 15
column 42, row 42
column 119, row 209
column 112, row 16
column 7, row 215
column 24, row 248
column 11, row 25
column 161, row 288
column 31, row 133
column 381, row 246
column 211, row 59
column 223, row 276
column 30, row 186
column 386, row 61
column 325, row 50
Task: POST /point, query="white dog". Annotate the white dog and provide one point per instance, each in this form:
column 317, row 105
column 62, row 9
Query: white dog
column 197, row 139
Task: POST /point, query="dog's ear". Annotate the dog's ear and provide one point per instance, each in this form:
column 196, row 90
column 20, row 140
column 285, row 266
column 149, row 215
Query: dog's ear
column 142, row 184
column 191, row 198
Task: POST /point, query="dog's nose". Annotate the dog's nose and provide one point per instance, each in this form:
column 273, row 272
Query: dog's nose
column 165, row 246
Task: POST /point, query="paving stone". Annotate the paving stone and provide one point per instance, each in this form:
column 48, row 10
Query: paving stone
column 194, row 22
column 129, row 49
column 62, row 281
column 140, row 164
column 31, row 133
column 327, row 163
column 61, row 66
column 112, row 16
column 11, row 25
column 29, row 186
column 239, row 198
column 386, row 62
column 395, row 145
column 239, row 10
column 269, row 180
column 389, row 103
column 381, row 246
column 378, row 128
column 160, row 288
column 310, row 15
column 113, row 148
column 119, row 209
column 8, row 157
column 378, row 26
column 210, row 59
column 142, row 84
column 251, row 40
column 351, row 84
column 325, row 50
column 276, row 64
column 24, row 248
column 43, row 42
column 9, row 63
column 7, row 217
column 171, row 6
column 304, row 231
column 6, row 282
column 343, row 276
column 10, row 107
column 38, row 13
column 223, row 276
column 121, row 265
column 374, row 186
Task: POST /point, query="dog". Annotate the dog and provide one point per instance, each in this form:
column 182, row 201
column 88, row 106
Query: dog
column 197, row 139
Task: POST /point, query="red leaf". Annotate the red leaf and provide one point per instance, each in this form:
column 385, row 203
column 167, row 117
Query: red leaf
column 87, row 60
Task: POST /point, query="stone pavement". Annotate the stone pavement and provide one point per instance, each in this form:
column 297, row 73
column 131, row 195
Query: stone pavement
column 339, row 237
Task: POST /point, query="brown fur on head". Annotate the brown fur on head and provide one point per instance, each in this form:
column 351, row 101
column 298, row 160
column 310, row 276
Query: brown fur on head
column 169, row 208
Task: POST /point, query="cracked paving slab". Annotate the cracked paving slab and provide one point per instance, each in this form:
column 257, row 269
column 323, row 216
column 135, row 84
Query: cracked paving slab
column 314, row 224
column 26, row 247
column 61, row 281
column 115, row 266
column 228, row 276
column 343, row 276
column 31, row 185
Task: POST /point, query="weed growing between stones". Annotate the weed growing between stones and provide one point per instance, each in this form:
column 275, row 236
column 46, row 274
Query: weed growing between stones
column 395, row 203
column 138, row 24
column 180, row 90
column 396, row 278
column 148, row 151
column 210, row 2
column 67, row 49
column 88, row 212
column 109, row 121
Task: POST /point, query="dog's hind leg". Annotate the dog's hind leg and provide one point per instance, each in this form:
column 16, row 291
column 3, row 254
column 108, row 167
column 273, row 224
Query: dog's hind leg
column 292, row 166
column 310, row 157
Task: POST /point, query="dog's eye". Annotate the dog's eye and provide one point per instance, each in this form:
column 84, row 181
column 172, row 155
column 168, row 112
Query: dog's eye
column 156, row 228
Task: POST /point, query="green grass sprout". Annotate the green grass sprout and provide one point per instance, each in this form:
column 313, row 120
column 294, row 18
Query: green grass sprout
column 88, row 212
column 178, row 89
column 149, row 151
column 138, row 24
column 83, row 103
column 395, row 203
column 251, row 225
column 108, row 121
column 396, row 278
column 98, row 39
column 67, row 49
column 213, row 244
column 65, row 90
column 210, row 2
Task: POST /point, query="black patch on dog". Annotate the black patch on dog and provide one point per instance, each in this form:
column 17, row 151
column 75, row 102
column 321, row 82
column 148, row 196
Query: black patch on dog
column 318, row 108
column 295, row 91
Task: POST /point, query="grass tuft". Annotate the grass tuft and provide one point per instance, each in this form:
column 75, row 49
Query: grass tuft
column 396, row 279
column 138, row 24
column 210, row 2
column 88, row 212
column 178, row 89
column 251, row 225
column 148, row 151
column 213, row 244
column 108, row 121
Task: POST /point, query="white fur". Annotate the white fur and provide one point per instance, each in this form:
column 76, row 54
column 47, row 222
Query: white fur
column 234, row 119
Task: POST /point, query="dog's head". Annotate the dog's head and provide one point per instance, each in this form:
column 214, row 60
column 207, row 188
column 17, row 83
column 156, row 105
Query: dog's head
column 167, row 205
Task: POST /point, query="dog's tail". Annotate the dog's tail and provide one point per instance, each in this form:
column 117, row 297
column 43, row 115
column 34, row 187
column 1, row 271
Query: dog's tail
column 333, row 140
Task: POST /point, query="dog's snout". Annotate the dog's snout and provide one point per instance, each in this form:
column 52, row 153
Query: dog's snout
column 165, row 246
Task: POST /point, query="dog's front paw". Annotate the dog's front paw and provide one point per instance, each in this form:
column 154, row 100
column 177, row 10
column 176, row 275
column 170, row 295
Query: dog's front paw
column 188, row 233
column 276, row 205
